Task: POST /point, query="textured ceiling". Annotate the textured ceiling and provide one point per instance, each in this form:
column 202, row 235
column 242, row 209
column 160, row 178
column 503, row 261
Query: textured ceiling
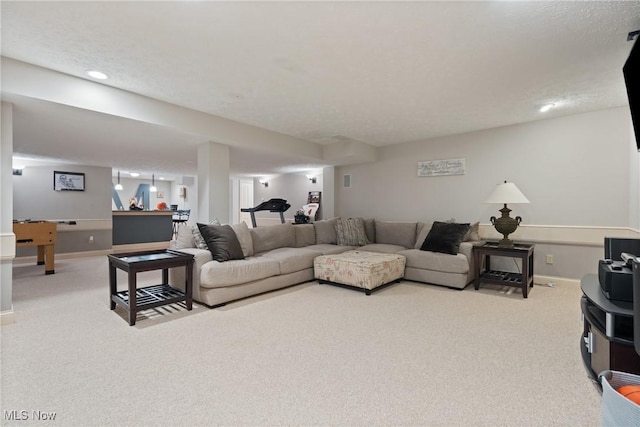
column 377, row 72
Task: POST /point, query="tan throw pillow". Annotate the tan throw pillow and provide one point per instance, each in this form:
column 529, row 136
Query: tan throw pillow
column 184, row 237
column 351, row 232
column 244, row 237
column 473, row 235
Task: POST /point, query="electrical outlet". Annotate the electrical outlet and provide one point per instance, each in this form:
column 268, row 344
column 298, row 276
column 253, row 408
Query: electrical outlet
column 549, row 259
column 90, row 239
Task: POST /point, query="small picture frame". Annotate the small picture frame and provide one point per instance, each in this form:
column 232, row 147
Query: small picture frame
column 68, row 181
column 159, row 195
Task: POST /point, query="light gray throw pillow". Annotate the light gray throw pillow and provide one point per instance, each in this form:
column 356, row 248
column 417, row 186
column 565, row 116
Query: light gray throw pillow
column 350, row 232
column 197, row 236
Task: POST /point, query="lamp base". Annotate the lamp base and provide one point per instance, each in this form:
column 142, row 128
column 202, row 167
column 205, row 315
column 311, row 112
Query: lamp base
column 506, row 243
column 505, row 225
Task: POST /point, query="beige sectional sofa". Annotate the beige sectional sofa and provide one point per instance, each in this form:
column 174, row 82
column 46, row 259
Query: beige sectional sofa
column 282, row 255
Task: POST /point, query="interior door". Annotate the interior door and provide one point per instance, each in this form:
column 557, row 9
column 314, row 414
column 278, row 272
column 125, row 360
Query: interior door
column 246, row 199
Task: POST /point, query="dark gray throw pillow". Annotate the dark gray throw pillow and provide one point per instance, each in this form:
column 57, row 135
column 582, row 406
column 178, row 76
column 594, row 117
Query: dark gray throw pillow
column 445, row 237
column 221, row 241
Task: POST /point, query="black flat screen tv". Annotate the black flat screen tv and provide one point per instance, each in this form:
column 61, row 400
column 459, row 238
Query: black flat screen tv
column 631, row 71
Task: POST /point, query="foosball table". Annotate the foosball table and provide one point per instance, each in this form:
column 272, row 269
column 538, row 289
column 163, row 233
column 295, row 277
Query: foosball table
column 42, row 234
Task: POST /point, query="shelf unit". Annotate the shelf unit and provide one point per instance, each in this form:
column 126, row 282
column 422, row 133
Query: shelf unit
column 607, row 337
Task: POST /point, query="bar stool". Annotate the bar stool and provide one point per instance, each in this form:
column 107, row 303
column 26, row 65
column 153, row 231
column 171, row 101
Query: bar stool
column 179, row 217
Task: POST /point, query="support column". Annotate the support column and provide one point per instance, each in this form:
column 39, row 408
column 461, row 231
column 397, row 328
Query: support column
column 328, row 192
column 7, row 238
column 213, row 183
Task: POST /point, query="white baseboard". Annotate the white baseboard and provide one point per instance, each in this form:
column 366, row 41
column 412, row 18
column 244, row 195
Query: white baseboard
column 66, row 255
column 562, row 281
column 7, row 317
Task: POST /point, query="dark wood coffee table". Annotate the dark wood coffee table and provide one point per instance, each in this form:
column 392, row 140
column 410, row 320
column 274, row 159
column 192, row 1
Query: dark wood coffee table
column 134, row 299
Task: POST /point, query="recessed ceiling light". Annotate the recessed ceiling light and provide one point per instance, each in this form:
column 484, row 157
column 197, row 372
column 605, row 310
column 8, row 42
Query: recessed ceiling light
column 547, row 107
column 97, row 75
column 134, row 174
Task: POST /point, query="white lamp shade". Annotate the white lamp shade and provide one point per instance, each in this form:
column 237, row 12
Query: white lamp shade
column 506, row 192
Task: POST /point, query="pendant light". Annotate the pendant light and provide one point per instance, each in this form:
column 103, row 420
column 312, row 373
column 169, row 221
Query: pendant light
column 153, row 188
column 118, row 185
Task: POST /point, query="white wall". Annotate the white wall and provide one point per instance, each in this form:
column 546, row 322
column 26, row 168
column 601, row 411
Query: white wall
column 293, row 187
column 130, row 187
column 574, row 170
column 34, row 197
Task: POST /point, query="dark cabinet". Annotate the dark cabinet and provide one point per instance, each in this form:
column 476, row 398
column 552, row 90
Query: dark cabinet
column 607, row 338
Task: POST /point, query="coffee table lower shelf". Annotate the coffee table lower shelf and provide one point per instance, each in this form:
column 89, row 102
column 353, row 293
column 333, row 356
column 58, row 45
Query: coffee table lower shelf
column 502, row 278
column 150, row 297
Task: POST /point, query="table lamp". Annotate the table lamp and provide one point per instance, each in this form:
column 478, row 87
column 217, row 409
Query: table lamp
column 505, row 225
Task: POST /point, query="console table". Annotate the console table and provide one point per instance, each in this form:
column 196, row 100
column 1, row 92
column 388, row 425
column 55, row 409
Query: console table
column 523, row 280
column 607, row 338
column 134, row 299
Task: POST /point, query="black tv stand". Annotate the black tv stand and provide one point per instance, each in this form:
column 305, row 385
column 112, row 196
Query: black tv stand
column 607, row 339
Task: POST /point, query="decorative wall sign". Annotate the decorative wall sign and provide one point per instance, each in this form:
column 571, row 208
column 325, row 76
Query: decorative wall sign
column 442, row 167
column 68, row 181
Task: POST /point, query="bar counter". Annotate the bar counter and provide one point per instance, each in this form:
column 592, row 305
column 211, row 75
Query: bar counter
column 131, row 227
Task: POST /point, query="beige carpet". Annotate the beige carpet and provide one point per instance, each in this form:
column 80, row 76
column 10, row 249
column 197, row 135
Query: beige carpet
column 411, row 354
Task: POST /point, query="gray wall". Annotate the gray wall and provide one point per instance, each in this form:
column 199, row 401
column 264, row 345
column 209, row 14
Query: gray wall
column 34, row 198
column 130, row 186
column 575, row 170
column 293, row 187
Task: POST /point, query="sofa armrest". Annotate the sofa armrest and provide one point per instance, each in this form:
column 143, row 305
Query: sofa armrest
column 466, row 248
column 177, row 276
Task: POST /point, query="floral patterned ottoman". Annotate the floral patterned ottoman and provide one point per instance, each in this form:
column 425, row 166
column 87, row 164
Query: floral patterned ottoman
column 359, row 269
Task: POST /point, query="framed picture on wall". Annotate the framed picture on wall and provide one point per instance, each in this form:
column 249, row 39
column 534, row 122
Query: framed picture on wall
column 68, row 181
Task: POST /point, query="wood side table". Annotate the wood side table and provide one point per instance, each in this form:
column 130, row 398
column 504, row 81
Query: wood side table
column 134, row 299
column 523, row 280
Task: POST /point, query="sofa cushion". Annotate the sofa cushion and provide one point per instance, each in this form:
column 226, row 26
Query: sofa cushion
column 396, row 233
column 329, row 249
column 382, row 248
column 292, row 259
column 184, row 237
column 445, row 237
column 216, row 274
column 350, row 232
column 370, row 229
column 273, row 237
column 326, row 231
column 221, row 241
column 436, row 261
column 244, row 237
column 305, row 235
